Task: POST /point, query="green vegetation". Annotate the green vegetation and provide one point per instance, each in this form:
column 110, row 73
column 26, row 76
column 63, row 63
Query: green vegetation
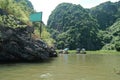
column 70, row 25
column 73, row 27
column 18, row 8
column 96, row 52
column 103, row 52
column 105, row 14
column 45, row 35
column 15, row 13
column 113, row 36
column 117, row 46
column 97, row 28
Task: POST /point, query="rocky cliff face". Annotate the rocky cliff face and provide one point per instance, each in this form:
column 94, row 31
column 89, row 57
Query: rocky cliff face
column 17, row 45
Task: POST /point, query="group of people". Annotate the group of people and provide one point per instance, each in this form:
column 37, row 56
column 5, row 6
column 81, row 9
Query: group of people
column 78, row 51
column 65, row 51
column 82, row 51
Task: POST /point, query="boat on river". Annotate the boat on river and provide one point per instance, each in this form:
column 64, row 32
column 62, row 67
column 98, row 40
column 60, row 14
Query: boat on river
column 82, row 51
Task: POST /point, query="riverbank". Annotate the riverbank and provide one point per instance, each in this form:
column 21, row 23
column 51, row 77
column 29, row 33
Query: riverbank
column 104, row 52
column 96, row 52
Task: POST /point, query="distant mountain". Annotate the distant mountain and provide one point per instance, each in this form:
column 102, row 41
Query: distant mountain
column 105, row 13
column 108, row 17
column 73, row 26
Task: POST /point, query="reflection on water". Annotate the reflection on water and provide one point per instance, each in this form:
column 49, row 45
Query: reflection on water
column 66, row 67
column 65, row 58
column 80, row 57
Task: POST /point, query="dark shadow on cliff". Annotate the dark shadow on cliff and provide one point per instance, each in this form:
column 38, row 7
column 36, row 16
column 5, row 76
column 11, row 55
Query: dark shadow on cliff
column 16, row 45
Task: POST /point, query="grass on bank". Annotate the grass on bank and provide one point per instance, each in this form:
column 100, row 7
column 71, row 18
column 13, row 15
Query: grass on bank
column 96, row 52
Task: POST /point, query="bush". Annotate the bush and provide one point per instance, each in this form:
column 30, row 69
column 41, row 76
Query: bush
column 117, row 46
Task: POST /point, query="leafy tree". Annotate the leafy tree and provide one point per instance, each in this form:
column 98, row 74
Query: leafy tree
column 18, row 9
column 117, row 46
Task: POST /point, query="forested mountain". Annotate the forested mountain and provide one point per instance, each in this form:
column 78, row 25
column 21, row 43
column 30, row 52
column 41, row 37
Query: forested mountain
column 111, row 37
column 105, row 13
column 73, row 26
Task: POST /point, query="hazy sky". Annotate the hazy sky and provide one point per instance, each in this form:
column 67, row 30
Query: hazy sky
column 46, row 6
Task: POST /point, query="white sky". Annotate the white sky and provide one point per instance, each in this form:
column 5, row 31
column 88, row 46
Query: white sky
column 46, row 6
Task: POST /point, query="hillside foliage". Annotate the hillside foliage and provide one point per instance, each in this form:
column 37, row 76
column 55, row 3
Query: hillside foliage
column 74, row 27
column 15, row 13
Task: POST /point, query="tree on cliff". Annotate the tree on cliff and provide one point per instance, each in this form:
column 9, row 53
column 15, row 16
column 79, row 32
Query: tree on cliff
column 15, row 13
column 15, row 41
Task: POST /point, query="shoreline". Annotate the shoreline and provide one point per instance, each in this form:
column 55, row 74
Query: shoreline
column 95, row 52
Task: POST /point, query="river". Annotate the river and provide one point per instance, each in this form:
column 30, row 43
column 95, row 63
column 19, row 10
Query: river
column 66, row 67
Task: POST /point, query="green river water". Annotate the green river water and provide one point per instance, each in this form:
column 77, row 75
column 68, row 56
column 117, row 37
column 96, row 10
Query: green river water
column 66, row 67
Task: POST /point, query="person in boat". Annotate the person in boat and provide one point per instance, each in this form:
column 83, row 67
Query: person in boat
column 60, row 51
column 65, row 51
column 78, row 50
column 83, row 51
